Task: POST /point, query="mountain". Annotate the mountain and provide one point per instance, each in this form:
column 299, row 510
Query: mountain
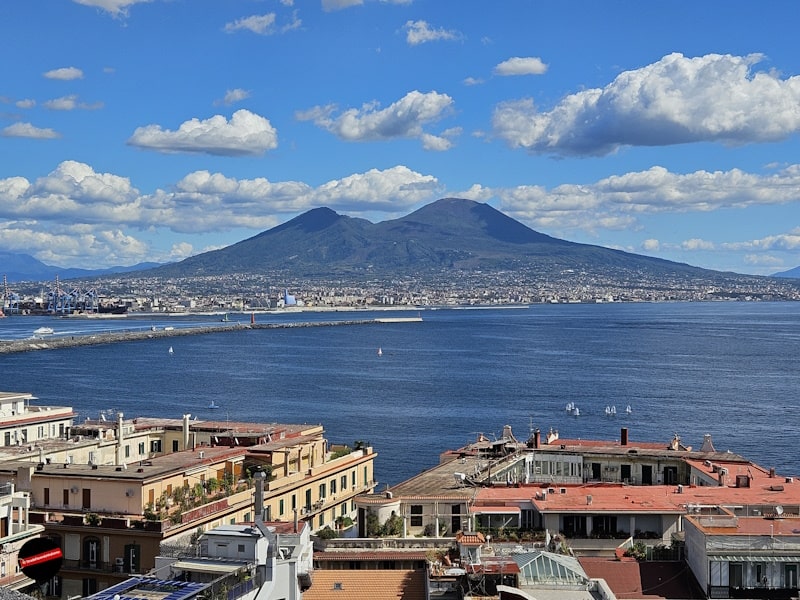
column 790, row 274
column 448, row 234
column 23, row 267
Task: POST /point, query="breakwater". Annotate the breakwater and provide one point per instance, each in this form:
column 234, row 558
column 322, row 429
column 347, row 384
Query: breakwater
column 93, row 339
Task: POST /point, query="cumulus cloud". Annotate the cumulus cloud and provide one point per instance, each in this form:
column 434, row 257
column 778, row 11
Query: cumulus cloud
column 697, row 244
column 403, row 119
column 420, row 32
column 70, row 103
column 233, row 96
column 26, row 130
column 521, row 66
column 104, row 210
column 651, row 245
column 331, row 5
column 260, row 24
column 65, row 74
column 26, row 103
column 711, row 98
column 117, row 8
column 246, row 134
column 620, row 201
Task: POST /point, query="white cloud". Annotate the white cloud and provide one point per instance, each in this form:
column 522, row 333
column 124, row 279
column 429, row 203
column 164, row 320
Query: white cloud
column 521, row 66
column 420, row 32
column 65, row 74
column 712, row 98
column 26, row 103
column 233, row 96
column 651, row 245
column 473, row 81
column 618, row 202
column 403, row 119
column 697, row 244
column 786, row 242
column 331, row 5
column 245, row 134
column 260, row 24
column 26, row 130
column 70, row 103
column 118, row 8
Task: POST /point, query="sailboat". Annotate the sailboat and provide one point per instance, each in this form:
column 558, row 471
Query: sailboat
column 171, row 351
column 380, row 352
column 213, row 405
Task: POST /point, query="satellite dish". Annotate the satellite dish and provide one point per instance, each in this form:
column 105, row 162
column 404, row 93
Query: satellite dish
column 779, row 510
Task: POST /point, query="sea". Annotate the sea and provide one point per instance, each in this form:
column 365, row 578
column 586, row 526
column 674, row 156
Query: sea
column 728, row 369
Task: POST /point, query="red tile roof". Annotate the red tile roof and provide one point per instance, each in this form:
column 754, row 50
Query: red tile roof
column 371, row 584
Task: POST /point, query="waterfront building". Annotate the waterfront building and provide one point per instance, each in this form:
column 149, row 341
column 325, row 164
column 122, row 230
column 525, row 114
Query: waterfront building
column 116, row 493
column 744, row 557
column 250, row 561
column 15, row 530
column 23, row 424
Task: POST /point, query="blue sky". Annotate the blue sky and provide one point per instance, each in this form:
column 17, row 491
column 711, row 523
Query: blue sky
column 138, row 130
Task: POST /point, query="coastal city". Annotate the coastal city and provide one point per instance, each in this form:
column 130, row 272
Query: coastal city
column 248, row 292
column 176, row 507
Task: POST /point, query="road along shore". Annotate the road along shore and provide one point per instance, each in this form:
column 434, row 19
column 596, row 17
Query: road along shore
column 56, row 342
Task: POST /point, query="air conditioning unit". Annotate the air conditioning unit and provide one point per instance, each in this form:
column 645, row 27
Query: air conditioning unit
column 74, row 489
column 7, row 548
column 129, row 493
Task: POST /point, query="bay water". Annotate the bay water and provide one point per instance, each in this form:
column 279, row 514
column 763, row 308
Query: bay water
column 727, row 369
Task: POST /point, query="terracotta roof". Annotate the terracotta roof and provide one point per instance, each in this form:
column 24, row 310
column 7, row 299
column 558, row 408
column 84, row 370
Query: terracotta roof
column 470, row 539
column 367, row 555
column 650, row 580
column 372, row 584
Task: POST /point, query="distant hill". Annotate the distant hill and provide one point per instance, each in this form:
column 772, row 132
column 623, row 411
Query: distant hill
column 23, row 267
column 790, row 274
column 447, row 234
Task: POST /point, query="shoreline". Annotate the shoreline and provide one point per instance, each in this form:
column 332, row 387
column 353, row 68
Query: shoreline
column 94, row 339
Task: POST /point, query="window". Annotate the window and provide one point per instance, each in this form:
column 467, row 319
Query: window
column 416, row 515
column 240, row 548
column 155, row 445
column 7, row 438
column 321, row 490
column 141, row 448
column 308, row 499
column 365, row 476
column 174, row 445
column 127, row 450
column 47, row 496
column 343, row 482
column 280, row 507
column 322, row 518
column 294, row 502
column 333, row 487
column 65, row 497
column 353, row 478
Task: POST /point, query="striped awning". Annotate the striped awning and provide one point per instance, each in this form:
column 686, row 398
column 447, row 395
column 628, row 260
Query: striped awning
column 754, row 558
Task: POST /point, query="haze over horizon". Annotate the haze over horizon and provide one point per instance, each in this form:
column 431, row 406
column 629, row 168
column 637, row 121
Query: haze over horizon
column 153, row 130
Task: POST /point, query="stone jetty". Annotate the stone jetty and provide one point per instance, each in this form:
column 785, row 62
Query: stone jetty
column 93, row 339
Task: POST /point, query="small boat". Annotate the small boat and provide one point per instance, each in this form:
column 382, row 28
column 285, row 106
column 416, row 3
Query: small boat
column 213, row 405
column 608, row 411
column 570, row 406
column 43, row 331
column 613, row 410
column 628, row 409
column 576, row 412
column 380, row 352
column 171, row 351
column 225, row 319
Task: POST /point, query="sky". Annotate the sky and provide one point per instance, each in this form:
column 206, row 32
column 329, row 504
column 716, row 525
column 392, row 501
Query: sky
column 153, row 130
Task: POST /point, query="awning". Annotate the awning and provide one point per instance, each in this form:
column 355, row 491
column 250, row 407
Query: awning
column 754, row 558
column 495, row 510
column 202, row 566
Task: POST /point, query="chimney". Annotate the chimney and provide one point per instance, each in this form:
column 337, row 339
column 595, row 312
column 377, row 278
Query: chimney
column 120, row 435
column 623, row 436
column 186, row 431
